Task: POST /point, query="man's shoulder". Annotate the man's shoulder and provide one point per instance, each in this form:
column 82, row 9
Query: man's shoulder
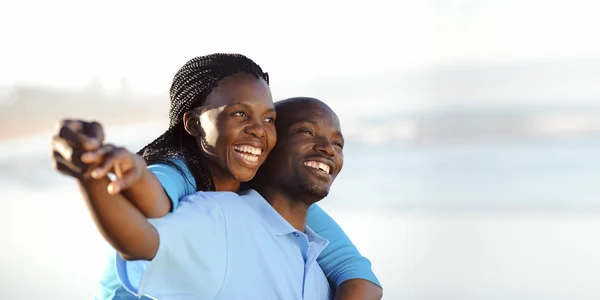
column 232, row 198
column 220, row 207
column 227, row 201
column 220, row 197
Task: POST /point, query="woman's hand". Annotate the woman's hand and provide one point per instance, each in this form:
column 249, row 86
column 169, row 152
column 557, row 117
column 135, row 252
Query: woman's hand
column 128, row 167
column 70, row 140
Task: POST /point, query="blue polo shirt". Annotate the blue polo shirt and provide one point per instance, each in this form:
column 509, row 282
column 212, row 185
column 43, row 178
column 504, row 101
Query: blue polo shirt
column 223, row 245
column 340, row 261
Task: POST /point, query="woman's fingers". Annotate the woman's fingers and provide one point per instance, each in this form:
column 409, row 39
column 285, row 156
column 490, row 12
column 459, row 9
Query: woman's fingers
column 96, row 157
column 109, row 160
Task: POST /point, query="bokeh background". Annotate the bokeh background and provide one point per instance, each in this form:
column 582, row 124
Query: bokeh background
column 473, row 126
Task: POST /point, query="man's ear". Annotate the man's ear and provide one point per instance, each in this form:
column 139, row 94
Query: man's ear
column 191, row 123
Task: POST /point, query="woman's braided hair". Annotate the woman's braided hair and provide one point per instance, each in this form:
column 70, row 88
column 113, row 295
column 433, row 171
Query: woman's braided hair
column 191, row 85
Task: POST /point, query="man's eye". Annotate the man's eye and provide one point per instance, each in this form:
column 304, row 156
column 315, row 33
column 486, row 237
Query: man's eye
column 306, row 131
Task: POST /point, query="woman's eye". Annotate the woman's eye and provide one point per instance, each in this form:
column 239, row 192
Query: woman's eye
column 240, row 114
column 339, row 145
column 270, row 120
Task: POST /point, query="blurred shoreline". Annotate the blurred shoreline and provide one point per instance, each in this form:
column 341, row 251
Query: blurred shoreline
column 32, row 110
column 449, row 104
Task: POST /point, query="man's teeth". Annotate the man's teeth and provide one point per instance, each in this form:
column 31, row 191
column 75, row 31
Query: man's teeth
column 248, row 149
column 318, row 165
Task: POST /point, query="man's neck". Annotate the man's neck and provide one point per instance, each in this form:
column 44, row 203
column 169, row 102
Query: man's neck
column 292, row 209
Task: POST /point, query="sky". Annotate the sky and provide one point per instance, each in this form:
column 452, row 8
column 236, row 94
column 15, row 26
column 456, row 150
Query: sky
column 67, row 42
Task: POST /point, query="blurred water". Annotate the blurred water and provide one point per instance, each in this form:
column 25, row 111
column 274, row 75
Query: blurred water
column 460, row 221
column 543, row 175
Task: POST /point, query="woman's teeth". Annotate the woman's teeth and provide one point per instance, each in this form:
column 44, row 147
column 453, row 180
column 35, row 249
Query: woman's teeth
column 248, row 149
column 248, row 153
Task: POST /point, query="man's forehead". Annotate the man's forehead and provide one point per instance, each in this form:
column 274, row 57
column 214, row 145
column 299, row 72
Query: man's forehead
column 309, row 110
column 311, row 115
column 299, row 104
column 325, row 124
column 306, row 114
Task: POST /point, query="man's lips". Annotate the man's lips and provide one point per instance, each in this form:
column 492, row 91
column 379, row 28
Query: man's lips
column 324, row 165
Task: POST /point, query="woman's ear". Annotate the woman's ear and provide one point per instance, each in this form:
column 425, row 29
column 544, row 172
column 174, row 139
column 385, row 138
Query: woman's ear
column 191, row 123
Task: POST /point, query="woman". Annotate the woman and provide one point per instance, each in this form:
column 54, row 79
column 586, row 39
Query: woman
column 221, row 130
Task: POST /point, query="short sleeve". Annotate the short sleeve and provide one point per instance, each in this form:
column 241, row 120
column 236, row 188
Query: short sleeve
column 192, row 255
column 175, row 184
column 340, row 260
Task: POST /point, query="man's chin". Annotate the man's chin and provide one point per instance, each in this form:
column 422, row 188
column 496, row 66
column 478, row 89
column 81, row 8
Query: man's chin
column 319, row 191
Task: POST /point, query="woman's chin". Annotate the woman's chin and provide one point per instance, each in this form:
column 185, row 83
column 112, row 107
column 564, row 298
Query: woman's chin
column 244, row 176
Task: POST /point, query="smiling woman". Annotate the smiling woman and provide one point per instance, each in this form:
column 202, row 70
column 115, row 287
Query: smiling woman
column 218, row 102
column 234, row 129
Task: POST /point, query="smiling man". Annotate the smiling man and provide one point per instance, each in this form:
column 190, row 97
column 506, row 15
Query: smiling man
column 223, row 245
column 305, row 161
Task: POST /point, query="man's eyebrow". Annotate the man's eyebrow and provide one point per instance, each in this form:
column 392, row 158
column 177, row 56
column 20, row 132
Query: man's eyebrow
column 304, row 122
column 299, row 122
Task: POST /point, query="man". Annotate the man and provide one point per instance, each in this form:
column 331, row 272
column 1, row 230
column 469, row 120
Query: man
column 218, row 246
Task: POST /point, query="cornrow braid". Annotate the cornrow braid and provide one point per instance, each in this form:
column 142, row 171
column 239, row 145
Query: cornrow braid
column 191, row 85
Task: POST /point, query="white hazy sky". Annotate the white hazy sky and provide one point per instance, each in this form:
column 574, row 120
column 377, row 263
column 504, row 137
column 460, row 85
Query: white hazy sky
column 66, row 42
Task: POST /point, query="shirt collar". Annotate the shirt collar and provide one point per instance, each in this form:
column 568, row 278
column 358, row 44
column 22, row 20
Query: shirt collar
column 313, row 237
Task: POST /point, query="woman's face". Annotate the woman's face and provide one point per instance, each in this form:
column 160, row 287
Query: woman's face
column 237, row 127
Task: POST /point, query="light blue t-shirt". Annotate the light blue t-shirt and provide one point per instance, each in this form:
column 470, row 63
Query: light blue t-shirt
column 340, row 261
column 221, row 245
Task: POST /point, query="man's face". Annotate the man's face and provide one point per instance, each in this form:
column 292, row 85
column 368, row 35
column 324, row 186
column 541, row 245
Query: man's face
column 308, row 155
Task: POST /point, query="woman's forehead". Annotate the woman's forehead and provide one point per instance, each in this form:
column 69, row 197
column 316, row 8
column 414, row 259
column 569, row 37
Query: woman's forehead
column 246, row 89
